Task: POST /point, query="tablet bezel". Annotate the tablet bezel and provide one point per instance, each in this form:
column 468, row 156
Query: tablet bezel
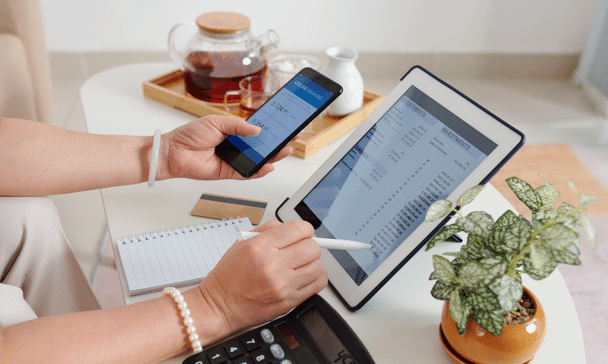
column 507, row 138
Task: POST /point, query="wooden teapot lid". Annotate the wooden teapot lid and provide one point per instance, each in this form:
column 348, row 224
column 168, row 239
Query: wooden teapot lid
column 223, row 22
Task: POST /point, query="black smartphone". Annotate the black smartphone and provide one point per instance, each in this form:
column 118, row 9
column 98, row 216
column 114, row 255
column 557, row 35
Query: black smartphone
column 281, row 118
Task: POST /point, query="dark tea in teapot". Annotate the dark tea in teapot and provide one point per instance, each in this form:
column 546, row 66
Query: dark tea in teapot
column 220, row 54
column 208, row 75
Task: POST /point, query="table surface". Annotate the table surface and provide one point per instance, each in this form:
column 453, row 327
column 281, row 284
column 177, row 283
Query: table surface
column 400, row 321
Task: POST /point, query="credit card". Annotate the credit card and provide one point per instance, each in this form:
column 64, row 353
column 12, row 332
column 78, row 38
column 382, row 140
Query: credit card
column 226, row 207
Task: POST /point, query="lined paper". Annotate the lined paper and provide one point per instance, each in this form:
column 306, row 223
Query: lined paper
column 176, row 257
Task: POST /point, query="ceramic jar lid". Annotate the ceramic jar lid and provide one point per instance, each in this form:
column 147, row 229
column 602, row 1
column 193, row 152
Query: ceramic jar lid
column 223, row 22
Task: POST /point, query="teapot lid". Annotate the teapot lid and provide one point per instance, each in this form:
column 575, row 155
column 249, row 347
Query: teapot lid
column 223, row 22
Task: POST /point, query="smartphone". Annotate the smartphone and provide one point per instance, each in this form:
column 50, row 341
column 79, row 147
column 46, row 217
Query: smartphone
column 281, row 118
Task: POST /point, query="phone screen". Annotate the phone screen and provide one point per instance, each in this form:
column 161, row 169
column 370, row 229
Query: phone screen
column 284, row 115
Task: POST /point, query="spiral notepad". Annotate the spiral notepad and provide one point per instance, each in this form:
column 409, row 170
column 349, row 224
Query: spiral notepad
column 176, row 257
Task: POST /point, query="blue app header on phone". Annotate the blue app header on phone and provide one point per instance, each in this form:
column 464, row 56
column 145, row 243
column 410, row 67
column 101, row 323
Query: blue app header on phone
column 281, row 115
column 308, row 91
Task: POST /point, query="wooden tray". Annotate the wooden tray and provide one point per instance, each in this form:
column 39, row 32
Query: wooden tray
column 169, row 89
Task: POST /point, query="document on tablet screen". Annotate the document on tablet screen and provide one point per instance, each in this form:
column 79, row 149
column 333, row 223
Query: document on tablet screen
column 418, row 152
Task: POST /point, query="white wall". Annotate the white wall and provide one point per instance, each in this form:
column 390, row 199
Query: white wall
column 408, row 26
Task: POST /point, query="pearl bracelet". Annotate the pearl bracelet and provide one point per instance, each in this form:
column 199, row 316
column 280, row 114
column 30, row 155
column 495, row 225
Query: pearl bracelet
column 197, row 347
column 154, row 158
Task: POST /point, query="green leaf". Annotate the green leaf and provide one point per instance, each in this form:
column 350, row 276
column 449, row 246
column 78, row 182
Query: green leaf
column 444, row 269
column 552, row 190
column 565, row 208
column 510, row 233
column 571, row 221
column 545, row 216
column 456, row 306
column 547, row 194
column 457, row 263
column 584, row 222
column 496, row 267
column 558, row 236
column 572, row 187
column 460, row 310
column 462, row 325
column 483, row 299
column 442, row 290
column 471, row 274
column 508, row 218
column 584, row 200
column 501, row 226
column 525, row 193
column 469, row 195
column 443, row 234
column 540, row 255
column 539, row 274
column 489, row 321
column 508, row 291
column 517, row 236
column 474, row 249
column 438, row 210
column 564, row 256
column 505, row 220
column 477, row 223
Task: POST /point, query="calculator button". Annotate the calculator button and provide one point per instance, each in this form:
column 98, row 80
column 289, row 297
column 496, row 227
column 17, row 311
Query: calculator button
column 261, row 357
column 251, row 342
column 277, row 351
column 244, row 360
column 267, row 336
column 286, row 361
column 216, row 356
column 196, row 359
column 234, row 350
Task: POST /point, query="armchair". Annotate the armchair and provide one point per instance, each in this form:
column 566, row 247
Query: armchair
column 25, row 76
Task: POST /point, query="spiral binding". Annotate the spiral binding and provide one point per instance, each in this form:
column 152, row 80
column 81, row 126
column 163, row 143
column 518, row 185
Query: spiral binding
column 175, row 231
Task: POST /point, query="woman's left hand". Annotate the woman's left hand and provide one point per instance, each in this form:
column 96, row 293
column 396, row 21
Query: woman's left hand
column 189, row 151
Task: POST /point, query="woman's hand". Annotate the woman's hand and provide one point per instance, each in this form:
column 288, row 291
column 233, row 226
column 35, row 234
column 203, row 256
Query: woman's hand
column 265, row 276
column 189, row 151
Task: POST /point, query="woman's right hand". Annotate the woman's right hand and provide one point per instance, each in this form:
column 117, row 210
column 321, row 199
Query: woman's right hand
column 264, row 277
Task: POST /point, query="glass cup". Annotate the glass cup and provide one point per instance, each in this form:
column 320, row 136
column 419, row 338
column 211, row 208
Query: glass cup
column 284, row 66
column 253, row 92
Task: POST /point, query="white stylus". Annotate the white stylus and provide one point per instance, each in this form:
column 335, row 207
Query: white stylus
column 323, row 242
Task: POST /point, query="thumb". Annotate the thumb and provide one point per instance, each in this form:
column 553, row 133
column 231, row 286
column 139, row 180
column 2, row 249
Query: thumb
column 232, row 125
column 249, row 130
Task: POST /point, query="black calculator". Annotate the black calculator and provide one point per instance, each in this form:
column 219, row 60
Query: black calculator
column 312, row 333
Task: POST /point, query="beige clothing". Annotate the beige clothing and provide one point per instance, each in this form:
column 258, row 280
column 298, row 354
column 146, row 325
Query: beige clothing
column 39, row 274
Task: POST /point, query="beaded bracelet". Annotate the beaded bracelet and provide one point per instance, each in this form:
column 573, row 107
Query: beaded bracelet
column 154, row 158
column 177, row 296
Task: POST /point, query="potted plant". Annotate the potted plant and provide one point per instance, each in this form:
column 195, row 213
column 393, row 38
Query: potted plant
column 482, row 284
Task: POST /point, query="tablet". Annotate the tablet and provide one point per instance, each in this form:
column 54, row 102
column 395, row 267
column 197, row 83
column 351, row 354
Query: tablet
column 426, row 141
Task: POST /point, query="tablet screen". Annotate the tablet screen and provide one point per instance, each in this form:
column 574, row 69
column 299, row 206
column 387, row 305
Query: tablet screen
column 418, row 152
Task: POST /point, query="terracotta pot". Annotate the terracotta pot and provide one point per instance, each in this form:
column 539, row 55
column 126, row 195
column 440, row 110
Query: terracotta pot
column 516, row 344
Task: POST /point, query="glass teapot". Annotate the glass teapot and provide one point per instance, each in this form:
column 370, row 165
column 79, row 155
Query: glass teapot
column 220, row 55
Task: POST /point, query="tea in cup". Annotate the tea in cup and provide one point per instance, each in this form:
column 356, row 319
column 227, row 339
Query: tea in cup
column 253, row 92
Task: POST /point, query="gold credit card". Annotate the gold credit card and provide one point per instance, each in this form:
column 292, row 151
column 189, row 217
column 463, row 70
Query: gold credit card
column 226, row 207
